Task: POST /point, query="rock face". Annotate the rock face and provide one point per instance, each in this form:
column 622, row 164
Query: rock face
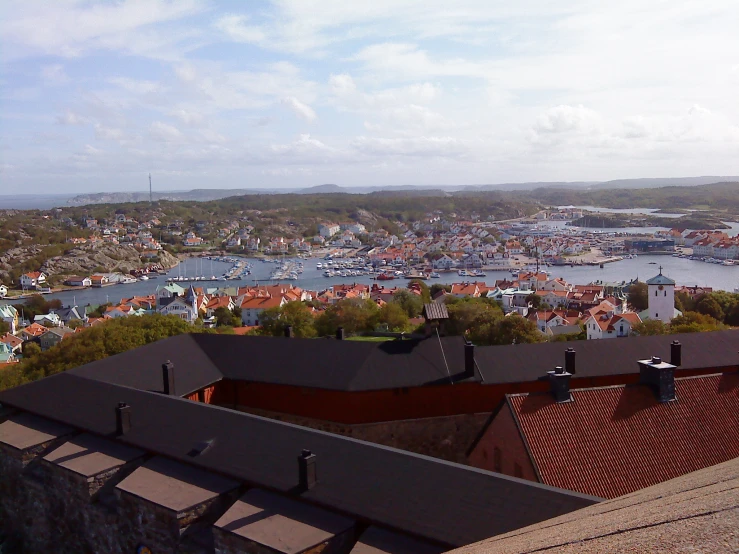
column 107, row 258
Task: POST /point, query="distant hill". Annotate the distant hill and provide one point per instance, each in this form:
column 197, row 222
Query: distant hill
column 40, row 201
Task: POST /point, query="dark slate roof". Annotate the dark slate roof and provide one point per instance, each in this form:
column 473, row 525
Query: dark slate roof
column 596, row 358
column 141, row 368
column 333, row 364
column 425, row 497
column 660, row 280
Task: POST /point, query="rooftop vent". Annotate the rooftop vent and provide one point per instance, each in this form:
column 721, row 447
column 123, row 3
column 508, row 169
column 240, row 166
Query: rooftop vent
column 676, row 354
column 201, row 448
column 289, row 331
column 307, row 474
column 559, row 381
column 122, row 419
column 469, row 359
column 570, row 361
column 168, row 377
column 659, row 376
column 340, row 333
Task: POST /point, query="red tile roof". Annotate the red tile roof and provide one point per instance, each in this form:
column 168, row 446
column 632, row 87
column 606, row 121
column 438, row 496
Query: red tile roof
column 615, row 440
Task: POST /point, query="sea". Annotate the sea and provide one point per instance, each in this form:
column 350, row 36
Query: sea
column 682, row 270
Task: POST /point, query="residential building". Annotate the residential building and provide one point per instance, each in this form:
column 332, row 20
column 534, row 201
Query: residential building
column 611, row 441
column 48, row 320
column 77, row 281
column 15, row 343
column 9, row 314
column 180, row 307
column 252, row 307
column 328, row 230
column 3, row 291
column 32, row 332
column 54, row 336
column 32, row 280
column 99, row 280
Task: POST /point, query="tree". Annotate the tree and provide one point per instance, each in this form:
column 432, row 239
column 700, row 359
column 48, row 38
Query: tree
column 410, row 302
column 423, row 287
column 709, row 306
column 353, row 314
column 31, row 349
column 4, row 327
column 732, row 316
column 535, row 300
column 75, row 323
column 694, row 322
column 224, row 317
column 296, row 314
column 651, row 327
column 436, row 287
column 638, row 296
column 394, row 316
column 514, row 329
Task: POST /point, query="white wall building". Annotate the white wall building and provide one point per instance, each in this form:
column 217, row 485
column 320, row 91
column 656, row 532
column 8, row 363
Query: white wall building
column 661, row 291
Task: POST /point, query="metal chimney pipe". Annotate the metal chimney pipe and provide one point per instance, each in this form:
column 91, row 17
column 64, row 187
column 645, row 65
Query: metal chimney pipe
column 168, row 378
column 559, row 381
column 307, row 474
column 469, row 359
column 122, row 419
column 570, row 361
column 676, row 354
column 340, row 333
column 289, row 331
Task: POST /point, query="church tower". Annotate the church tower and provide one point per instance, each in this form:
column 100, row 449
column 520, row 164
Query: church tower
column 661, row 297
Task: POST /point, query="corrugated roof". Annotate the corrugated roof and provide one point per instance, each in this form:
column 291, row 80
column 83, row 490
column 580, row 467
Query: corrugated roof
column 435, row 310
column 434, row 499
column 612, row 441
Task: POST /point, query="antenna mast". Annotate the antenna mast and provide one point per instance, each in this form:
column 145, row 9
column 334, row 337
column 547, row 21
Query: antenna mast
column 151, row 201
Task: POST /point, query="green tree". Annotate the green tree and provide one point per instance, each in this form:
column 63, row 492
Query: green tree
column 514, row 329
column 473, row 317
column 694, row 322
column 638, row 297
column 353, row 314
column 394, row 316
column 423, row 287
column 535, row 300
column 31, row 350
column 296, row 314
column 651, row 327
column 436, row 287
column 708, row 305
column 224, row 317
column 75, row 323
column 4, row 327
column 410, row 302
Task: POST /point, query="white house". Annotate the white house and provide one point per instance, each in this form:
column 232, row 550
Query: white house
column 328, row 230
column 32, row 280
column 180, row 308
column 3, row 291
column 252, row 307
column 9, row 315
column 610, row 326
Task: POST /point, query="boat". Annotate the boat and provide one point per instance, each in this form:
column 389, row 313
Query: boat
column 434, row 275
column 143, row 278
column 385, row 277
column 319, row 265
column 463, row 273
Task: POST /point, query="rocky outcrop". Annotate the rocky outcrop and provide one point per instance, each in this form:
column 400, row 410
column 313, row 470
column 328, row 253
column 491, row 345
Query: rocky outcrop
column 86, row 259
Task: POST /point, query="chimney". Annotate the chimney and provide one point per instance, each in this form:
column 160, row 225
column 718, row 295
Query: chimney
column 307, row 470
column 659, row 376
column 570, row 361
column 469, row 359
column 340, row 333
column 676, row 353
column 559, row 381
column 168, row 377
column 122, row 419
column 289, row 331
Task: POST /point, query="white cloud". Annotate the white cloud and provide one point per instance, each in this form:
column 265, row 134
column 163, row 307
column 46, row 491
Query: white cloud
column 563, row 119
column 191, row 118
column 235, row 27
column 301, row 110
column 164, row 132
column 70, row 118
column 54, row 74
column 135, row 86
column 416, row 146
column 107, row 133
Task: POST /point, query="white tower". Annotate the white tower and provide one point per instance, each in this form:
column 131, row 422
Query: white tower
column 661, row 297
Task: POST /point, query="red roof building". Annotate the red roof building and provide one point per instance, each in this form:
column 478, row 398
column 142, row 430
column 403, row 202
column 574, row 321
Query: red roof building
column 610, row 441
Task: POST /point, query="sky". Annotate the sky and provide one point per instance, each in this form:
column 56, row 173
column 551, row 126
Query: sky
column 94, row 96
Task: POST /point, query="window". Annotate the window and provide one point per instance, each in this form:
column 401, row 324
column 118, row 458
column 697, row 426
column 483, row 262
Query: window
column 665, row 293
column 655, row 293
column 656, row 315
column 497, row 459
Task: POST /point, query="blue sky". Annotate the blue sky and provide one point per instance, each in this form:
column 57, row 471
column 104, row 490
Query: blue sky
column 208, row 94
